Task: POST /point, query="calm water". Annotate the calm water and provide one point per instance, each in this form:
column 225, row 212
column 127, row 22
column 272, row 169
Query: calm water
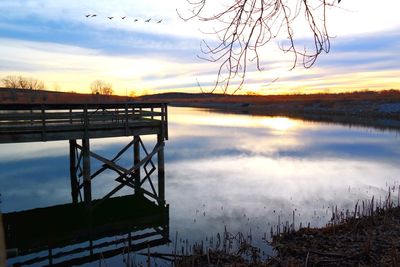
column 223, row 170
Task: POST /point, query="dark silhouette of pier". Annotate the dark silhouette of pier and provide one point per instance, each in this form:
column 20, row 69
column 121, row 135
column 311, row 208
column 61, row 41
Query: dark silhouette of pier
column 69, row 234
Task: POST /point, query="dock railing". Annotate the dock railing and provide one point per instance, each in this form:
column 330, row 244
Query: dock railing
column 48, row 119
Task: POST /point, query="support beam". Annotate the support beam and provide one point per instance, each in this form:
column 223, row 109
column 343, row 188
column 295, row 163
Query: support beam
column 126, row 177
column 2, row 244
column 161, row 171
column 87, row 190
column 72, row 171
column 136, row 160
column 125, row 180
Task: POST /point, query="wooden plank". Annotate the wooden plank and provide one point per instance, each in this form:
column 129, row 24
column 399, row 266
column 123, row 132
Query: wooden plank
column 79, row 106
column 72, row 170
column 69, row 127
column 119, row 154
column 87, row 187
column 136, row 160
column 133, row 169
column 66, row 135
column 161, row 171
column 2, row 244
column 105, row 161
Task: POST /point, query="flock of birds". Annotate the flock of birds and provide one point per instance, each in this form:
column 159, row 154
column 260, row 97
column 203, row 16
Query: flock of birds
column 124, row 17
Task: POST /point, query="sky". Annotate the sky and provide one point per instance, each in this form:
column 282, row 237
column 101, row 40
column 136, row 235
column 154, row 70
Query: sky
column 55, row 42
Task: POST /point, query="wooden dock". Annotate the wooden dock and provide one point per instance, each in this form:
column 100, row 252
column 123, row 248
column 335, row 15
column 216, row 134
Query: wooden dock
column 77, row 124
column 83, row 122
column 51, row 122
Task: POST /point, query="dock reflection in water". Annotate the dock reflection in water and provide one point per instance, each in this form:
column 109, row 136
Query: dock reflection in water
column 70, row 234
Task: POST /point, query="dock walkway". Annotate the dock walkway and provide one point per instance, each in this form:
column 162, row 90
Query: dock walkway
column 52, row 122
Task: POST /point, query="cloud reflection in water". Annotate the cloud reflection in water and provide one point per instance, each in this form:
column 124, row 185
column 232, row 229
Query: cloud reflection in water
column 223, row 169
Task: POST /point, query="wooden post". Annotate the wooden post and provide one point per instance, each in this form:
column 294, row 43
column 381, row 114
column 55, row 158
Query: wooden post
column 161, row 171
column 50, row 256
column 136, row 160
column 72, row 171
column 2, row 244
column 87, row 190
column 43, row 123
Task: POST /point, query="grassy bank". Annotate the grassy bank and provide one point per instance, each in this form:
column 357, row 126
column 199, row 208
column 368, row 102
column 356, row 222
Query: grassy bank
column 367, row 235
column 370, row 108
column 371, row 240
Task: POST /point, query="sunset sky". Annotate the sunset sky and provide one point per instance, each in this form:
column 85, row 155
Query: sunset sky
column 55, row 42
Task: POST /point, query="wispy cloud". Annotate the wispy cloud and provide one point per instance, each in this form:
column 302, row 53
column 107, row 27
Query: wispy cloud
column 57, row 42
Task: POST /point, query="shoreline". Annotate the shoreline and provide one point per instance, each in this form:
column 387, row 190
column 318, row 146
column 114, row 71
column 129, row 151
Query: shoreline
column 366, row 118
column 370, row 240
column 366, row 237
column 370, row 108
column 378, row 109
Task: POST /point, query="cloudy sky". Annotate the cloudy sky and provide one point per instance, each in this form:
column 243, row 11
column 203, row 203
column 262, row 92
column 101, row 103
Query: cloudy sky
column 54, row 41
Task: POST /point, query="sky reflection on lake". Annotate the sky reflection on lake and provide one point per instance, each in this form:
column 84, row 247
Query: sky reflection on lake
column 231, row 170
column 264, row 166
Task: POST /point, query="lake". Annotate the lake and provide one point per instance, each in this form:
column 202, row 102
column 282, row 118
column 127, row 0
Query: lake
column 236, row 172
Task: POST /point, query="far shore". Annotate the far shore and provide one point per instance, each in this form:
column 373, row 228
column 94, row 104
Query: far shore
column 375, row 119
column 378, row 109
column 370, row 109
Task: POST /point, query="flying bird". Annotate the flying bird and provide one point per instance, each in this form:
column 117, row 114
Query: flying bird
column 88, row 15
column 123, row 17
column 147, row 20
column 159, row 21
column 110, row 17
column 135, row 20
column 94, row 15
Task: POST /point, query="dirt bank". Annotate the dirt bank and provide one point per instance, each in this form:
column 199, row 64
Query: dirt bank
column 369, row 241
column 376, row 109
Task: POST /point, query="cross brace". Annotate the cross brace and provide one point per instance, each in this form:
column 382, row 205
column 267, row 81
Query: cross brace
column 81, row 175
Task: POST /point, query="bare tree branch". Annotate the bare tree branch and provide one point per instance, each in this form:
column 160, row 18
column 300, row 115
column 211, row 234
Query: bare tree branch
column 244, row 26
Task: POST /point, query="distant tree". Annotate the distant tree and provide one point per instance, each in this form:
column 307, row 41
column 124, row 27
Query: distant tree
column 10, row 82
column 34, row 84
column 20, row 82
column 101, row 87
column 107, row 90
column 252, row 93
column 23, row 83
column 96, row 86
column 242, row 27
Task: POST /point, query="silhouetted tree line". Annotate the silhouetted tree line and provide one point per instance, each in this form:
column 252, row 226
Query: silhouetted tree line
column 101, row 87
column 20, row 82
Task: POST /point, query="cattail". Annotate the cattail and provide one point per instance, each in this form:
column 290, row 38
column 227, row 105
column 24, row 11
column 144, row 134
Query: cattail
column 293, row 221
